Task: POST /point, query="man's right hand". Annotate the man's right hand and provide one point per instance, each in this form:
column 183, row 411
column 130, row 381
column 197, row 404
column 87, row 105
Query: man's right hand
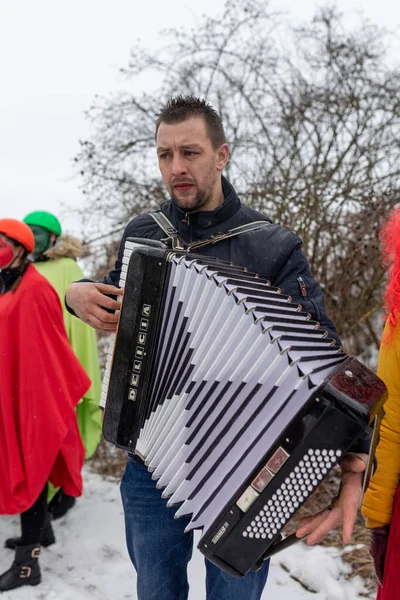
column 88, row 301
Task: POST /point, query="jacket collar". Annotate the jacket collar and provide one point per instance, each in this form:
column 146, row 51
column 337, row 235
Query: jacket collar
column 207, row 218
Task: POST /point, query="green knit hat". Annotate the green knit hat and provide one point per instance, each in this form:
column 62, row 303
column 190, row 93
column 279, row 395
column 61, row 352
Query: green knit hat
column 41, row 218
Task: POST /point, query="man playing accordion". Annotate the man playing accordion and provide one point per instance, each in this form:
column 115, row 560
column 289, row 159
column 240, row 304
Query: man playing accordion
column 192, row 154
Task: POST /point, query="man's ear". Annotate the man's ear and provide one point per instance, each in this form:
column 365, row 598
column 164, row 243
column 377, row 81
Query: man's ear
column 222, row 157
column 53, row 239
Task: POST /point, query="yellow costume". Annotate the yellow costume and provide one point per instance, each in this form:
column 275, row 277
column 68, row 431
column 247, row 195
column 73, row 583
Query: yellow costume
column 378, row 500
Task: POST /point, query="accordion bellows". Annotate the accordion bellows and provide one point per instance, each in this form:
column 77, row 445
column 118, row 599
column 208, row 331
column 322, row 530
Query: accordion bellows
column 236, row 400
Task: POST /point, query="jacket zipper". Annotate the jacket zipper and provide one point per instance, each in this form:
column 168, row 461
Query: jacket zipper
column 303, row 291
column 187, row 222
column 303, row 288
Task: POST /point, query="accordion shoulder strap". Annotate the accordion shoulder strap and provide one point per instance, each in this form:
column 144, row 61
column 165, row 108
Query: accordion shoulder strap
column 230, row 233
column 172, row 234
column 178, row 244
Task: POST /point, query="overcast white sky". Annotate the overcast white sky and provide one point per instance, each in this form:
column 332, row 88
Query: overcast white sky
column 54, row 58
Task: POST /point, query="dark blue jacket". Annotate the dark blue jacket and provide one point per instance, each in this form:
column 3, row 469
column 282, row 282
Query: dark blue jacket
column 272, row 251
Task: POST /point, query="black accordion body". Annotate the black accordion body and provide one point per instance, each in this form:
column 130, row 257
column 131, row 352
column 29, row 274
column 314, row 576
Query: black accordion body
column 237, row 402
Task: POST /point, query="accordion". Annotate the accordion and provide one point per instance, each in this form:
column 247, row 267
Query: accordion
column 235, row 399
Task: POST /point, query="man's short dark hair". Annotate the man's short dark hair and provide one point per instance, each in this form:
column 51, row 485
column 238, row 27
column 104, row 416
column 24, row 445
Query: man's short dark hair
column 181, row 108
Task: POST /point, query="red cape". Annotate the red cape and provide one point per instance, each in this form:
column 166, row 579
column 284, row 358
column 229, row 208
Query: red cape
column 41, row 382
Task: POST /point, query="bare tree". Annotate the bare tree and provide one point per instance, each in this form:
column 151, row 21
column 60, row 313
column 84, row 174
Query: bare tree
column 312, row 117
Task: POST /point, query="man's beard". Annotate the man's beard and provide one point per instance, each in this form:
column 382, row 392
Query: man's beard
column 198, row 202
column 195, row 203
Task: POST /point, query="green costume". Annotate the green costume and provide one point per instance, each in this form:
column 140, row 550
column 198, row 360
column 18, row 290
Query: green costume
column 57, row 262
column 60, row 269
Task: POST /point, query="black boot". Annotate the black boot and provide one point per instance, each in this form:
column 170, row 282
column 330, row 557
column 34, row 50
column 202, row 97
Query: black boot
column 25, row 569
column 46, row 539
column 60, row 504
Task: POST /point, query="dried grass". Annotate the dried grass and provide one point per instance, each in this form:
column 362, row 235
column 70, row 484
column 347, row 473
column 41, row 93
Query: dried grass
column 108, row 461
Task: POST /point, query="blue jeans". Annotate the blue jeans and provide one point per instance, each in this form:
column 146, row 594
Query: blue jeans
column 160, row 550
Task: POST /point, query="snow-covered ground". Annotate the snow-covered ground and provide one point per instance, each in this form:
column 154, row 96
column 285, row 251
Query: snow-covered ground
column 90, row 562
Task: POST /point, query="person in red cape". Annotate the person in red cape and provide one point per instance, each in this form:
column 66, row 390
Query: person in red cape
column 41, row 382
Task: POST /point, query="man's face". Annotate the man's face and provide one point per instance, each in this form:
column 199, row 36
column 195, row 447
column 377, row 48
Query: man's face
column 189, row 165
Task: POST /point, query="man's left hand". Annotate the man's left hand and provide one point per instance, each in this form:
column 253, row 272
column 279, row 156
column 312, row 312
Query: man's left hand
column 344, row 510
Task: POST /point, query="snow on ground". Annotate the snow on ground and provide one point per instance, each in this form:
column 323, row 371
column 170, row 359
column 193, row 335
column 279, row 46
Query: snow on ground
column 90, row 562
